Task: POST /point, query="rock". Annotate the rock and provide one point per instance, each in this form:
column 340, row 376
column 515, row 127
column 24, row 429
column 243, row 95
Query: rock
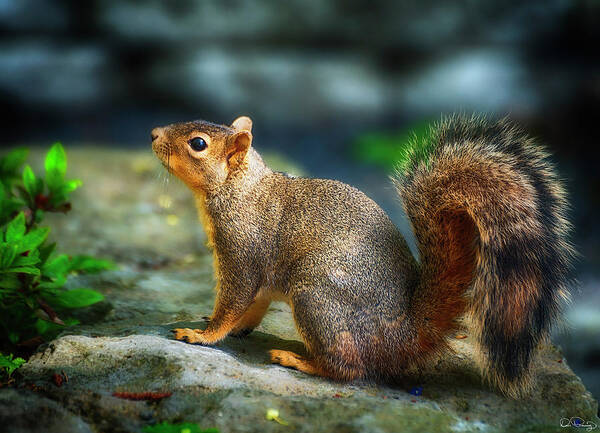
column 581, row 338
column 310, row 87
column 307, row 22
column 463, row 80
column 233, row 385
column 28, row 412
column 348, row 62
column 36, row 15
column 73, row 75
column 165, row 281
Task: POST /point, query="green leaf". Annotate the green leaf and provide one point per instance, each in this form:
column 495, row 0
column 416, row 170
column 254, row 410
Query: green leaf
column 30, row 302
column 8, row 252
column 56, row 167
column 48, row 291
column 9, row 282
column 13, row 160
column 9, row 364
column 46, row 251
column 57, row 267
column 90, row 264
column 78, row 298
column 54, row 283
column 71, row 185
column 16, row 228
column 24, row 250
column 71, row 322
column 29, row 180
column 391, row 151
column 33, row 239
column 22, row 270
column 33, row 185
column 43, row 326
column 32, row 259
column 8, row 203
column 8, row 207
column 39, row 216
column 48, row 329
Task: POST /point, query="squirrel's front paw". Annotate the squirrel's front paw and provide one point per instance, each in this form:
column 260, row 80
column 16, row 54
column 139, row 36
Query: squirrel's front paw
column 193, row 336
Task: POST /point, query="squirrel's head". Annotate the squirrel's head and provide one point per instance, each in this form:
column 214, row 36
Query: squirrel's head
column 203, row 154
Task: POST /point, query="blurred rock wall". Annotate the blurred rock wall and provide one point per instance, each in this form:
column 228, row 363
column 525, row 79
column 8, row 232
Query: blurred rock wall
column 107, row 71
column 293, row 61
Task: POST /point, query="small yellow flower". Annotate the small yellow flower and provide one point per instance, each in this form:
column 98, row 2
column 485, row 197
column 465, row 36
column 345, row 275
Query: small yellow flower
column 273, row 415
column 172, row 220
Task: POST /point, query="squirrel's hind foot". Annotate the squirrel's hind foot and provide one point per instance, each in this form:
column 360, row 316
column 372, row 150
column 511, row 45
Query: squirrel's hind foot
column 311, row 366
column 293, row 360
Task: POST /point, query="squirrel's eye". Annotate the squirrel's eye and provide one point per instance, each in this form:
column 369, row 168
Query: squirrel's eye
column 198, row 144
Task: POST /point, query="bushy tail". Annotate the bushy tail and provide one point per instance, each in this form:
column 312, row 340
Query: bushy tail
column 488, row 212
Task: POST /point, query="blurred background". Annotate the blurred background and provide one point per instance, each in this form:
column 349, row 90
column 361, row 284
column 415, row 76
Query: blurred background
column 330, row 86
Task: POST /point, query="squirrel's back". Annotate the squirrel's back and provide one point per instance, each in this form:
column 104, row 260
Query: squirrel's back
column 342, row 238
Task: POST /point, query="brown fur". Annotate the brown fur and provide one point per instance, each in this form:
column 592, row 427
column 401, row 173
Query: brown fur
column 362, row 304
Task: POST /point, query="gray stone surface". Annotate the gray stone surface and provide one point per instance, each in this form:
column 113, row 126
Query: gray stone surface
column 381, row 22
column 231, row 386
column 126, row 212
column 33, row 15
column 73, row 74
column 308, row 85
column 28, row 412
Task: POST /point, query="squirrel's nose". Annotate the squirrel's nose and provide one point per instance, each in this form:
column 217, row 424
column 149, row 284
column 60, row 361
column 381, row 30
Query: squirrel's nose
column 156, row 132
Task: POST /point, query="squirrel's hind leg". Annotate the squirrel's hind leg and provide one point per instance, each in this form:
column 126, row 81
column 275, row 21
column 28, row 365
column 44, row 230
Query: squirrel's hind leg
column 252, row 317
column 332, row 349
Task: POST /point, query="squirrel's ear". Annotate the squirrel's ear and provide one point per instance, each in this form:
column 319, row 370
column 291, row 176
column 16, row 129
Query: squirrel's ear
column 238, row 145
column 242, row 123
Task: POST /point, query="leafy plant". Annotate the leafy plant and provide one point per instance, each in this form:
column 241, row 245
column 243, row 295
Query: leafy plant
column 32, row 275
column 185, row 427
column 391, row 151
column 8, row 365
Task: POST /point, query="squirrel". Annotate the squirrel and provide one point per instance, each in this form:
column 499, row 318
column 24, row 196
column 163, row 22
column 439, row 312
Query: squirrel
column 489, row 216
